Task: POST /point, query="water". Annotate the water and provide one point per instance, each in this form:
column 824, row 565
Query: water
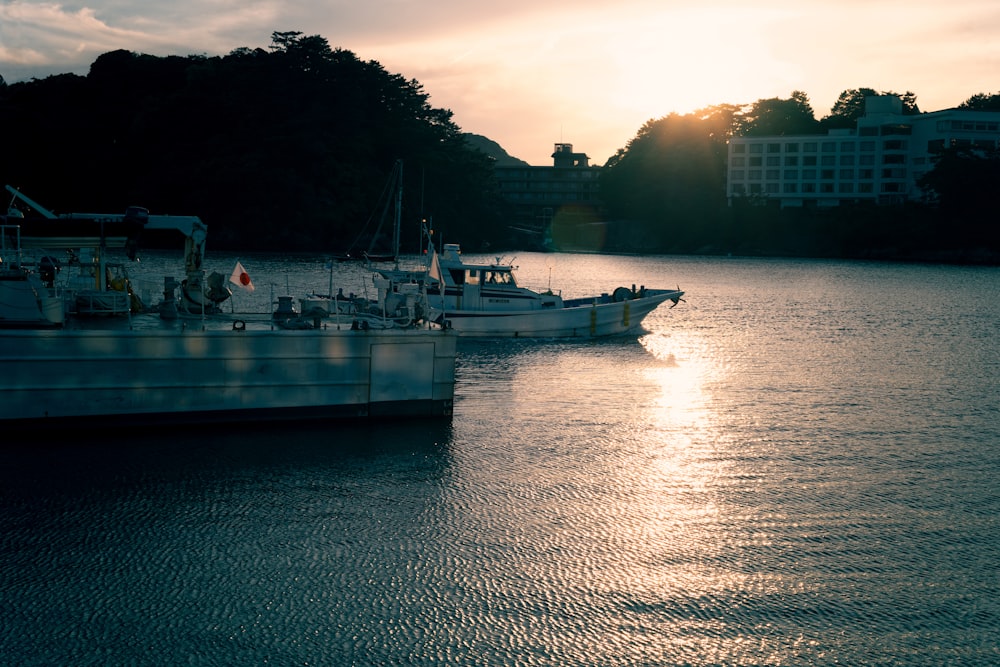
column 797, row 466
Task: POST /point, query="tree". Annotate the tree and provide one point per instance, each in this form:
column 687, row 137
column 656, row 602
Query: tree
column 280, row 148
column 963, row 184
column 777, row 117
column 670, row 178
column 850, row 106
column 982, row 102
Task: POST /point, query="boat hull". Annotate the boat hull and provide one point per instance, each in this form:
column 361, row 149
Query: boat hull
column 67, row 377
column 583, row 318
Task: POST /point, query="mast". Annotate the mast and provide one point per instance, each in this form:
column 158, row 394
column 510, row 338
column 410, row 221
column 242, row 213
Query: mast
column 399, row 209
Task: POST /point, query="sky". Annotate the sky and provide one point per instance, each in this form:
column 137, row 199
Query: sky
column 532, row 73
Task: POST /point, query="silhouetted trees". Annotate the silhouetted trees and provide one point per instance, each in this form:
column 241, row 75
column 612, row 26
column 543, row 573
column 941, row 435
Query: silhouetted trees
column 982, row 102
column 963, row 186
column 776, row 117
column 670, row 181
column 850, row 106
column 671, row 178
column 286, row 147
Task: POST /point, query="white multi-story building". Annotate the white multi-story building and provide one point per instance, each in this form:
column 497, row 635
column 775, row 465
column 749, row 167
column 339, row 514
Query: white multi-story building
column 879, row 161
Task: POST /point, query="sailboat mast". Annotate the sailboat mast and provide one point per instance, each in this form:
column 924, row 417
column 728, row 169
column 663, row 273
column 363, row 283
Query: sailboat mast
column 399, row 208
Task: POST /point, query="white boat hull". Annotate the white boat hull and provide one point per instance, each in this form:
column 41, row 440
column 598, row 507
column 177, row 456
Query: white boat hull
column 69, row 377
column 578, row 319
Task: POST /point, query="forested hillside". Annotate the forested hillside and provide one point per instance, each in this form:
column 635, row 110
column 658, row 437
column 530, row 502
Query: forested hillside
column 290, row 148
column 286, row 147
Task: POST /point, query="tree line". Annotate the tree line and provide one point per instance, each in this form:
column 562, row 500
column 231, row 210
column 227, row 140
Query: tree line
column 287, row 147
column 670, row 182
column 290, row 147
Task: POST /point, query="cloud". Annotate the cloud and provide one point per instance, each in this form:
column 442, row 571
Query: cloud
column 65, row 37
column 529, row 73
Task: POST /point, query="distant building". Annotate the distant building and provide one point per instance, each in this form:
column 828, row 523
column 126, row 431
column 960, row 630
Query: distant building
column 568, row 189
column 879, row 161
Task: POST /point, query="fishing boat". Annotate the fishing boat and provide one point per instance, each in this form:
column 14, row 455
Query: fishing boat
column 165, row 364
column 484, row 300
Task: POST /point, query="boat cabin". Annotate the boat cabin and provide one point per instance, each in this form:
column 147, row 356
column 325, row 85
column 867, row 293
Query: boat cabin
column 457, row 273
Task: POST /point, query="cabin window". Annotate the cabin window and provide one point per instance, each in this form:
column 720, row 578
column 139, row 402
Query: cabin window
column 497, row 277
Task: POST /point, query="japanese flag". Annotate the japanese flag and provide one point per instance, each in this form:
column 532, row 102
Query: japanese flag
column 241, row 277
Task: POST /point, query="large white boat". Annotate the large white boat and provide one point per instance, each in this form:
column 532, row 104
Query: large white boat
column 484, row 300
column 64, row 369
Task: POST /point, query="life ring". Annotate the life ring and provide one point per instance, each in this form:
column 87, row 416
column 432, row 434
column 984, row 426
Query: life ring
column 239, row 325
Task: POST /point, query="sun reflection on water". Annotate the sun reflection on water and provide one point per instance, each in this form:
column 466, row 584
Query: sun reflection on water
column 680, row 377
column 682, row 509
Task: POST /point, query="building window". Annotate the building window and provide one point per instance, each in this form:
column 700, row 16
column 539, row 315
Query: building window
column 756, row 148
column 809, row 161
column 896, row 129
column 847, row 146
column 791, row 148
column 846, row 188
column 826, row 188
column 868, row 146
column 739, row 161
column 809, row 147
column 754, row 188
column 791, row 188
column 808, row 174
column 791, row 174
column 736, row 175
column 773, row 161
column 893, row 158
column 808, row 187
column 829, row 147
column 739, row 148
column 772, row 188
column 866, row 174
column 846, row 174
column 894, row 145
column 772, row 174
column 757, row 162
column 866, row 159
column 828, row 160
column 774, row 148
column 866, row 188
column 846, row 160
column 753, row 175
column 791, row 161
column 826, row 174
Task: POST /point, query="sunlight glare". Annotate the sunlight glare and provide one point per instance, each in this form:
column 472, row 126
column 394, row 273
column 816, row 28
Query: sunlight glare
column 681, row 402
column 687, row 60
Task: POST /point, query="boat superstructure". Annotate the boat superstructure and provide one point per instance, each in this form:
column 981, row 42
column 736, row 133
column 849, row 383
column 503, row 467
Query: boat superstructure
column 485, row 300
column 185, row 360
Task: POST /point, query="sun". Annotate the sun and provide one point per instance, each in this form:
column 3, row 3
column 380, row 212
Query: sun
column 686, row 60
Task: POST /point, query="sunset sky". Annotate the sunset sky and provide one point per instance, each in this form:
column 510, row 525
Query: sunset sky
column 530, row 73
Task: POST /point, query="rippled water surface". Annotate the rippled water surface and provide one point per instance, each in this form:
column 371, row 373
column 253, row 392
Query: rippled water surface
column 796, row 466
